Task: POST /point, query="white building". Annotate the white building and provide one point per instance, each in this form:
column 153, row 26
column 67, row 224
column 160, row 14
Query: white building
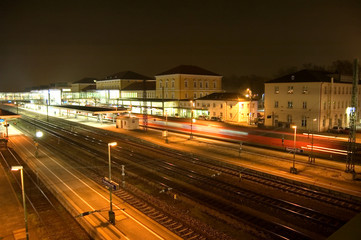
column 311, row 100
column 228, row 107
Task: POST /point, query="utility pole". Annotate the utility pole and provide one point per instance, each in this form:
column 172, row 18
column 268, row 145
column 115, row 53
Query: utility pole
column 351, row 147
column 145, row 110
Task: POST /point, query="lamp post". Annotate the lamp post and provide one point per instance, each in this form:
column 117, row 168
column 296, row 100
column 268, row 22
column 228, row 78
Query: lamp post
column 311, row 157
column 38, row 134
column 166, row 127
column 111, row 213
column 293, row 169
column 17, row 168
column 191, row 136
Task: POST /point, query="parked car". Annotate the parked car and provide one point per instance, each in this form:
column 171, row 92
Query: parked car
column 336, row 129
column 202, row 117
column 216, row 119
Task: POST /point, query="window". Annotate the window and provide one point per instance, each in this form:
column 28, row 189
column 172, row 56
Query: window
column 230, row 106
column 276, row 104
column 290, row 90
column 304, row 122
column 277, row 89
column 186, row 84
column 214, row 84
column 166, row 84
column 194, row 84
column 160, row 84
column 304, row 105
column 172, row 95
column 230, row 115
column 186, row 95
column 305, row 90
column 200, row 84
column 289, row 118
column 221, row 105
column 324, row 121
column 194, row 95
column 201, row 95
column 290, row 104
column 206, row 84
column 172, row 84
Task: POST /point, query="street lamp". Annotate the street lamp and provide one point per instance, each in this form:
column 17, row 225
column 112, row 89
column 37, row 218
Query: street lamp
column 111, row 213
column 311, row 157
column 16, row 168
column 293, row 169
column 192, row 105
column 166, row 127
column 38, row 134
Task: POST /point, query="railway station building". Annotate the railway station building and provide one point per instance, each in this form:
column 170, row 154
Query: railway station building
column 183, row 91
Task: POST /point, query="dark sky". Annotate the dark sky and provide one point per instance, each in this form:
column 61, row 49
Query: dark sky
column 55, row 41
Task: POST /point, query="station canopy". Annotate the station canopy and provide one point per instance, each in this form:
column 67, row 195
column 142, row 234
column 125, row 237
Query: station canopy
column 93, row 110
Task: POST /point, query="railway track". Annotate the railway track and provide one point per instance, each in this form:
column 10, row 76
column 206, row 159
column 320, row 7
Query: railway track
column 93, row 140
column 55, row 221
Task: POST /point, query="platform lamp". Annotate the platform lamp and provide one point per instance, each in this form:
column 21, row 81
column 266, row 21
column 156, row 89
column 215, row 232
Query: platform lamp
column 293, row 169
column 17, row 168
column 111, row 213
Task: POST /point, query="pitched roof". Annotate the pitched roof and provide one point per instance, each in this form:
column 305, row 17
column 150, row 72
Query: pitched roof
column 305, row 76
column 188, row 69
column 128, row 75
column 86, row 80
column 149, row 85
column 224, row 96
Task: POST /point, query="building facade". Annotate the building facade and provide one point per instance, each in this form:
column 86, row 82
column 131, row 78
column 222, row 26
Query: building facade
column 311, row 100
column 187, row 82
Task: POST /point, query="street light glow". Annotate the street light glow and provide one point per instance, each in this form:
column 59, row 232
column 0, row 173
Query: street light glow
column 39, row 134
column 112, row 144
column 16, row 168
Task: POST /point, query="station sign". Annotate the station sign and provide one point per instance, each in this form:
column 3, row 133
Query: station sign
column 110, row 184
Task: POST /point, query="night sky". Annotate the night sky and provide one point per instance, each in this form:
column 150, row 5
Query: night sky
column 43, row 42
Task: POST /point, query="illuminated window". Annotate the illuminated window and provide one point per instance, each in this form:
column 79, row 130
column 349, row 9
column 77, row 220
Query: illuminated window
column 290, row 90
column 277, row 89
column 305, row 90
column 290, row 104
column 185, row 84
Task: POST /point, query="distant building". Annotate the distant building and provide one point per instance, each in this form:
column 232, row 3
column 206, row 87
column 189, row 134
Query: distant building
column 228, row 107
column 312, row 100
column 120, row 80
column 187, row 82
column 83, row 84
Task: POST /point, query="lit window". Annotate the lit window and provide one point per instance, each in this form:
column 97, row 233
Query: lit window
column 276, row 104
column 290, row 90
column 277, row 90
column 186, row 84
column 290, row 104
